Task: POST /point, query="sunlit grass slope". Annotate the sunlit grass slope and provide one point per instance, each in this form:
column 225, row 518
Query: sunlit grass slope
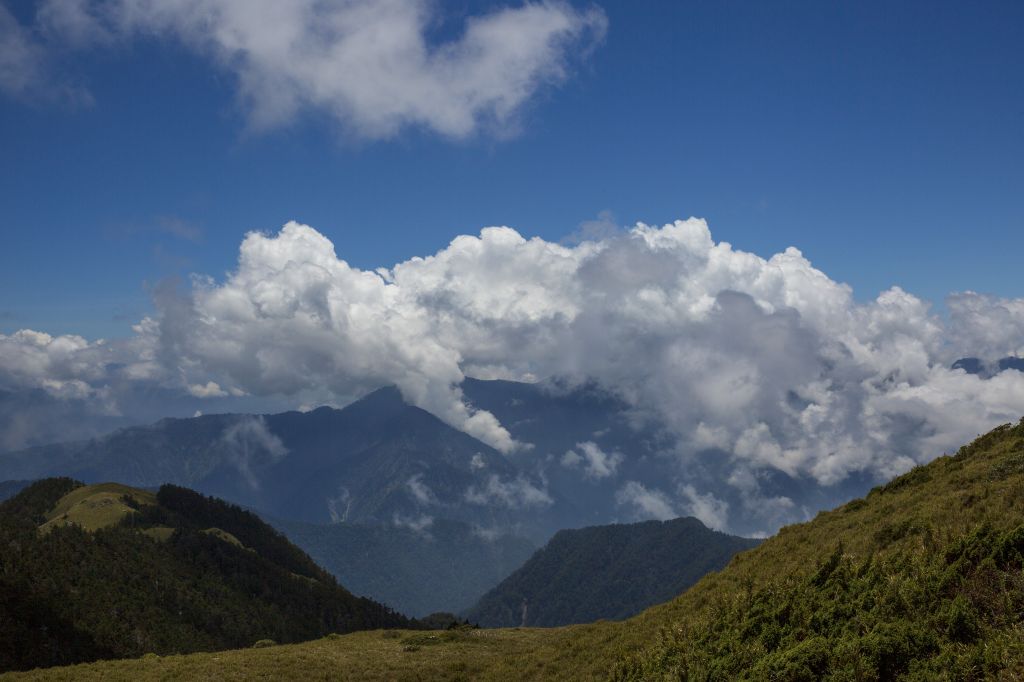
column 922, row 579
column 97, row 506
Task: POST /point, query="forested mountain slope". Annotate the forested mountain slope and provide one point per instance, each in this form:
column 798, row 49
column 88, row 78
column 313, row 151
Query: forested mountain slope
column 612, row 571
column 108, row 571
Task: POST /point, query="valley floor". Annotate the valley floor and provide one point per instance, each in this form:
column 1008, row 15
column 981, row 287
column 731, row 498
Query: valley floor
column 570, row 653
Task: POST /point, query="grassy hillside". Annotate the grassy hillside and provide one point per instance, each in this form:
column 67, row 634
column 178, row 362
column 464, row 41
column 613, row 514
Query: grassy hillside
column 612, row 571
column 919, row 580
column 108, row 571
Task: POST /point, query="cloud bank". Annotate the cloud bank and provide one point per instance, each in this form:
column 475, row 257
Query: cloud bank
column 764, row 365
column 368, row 64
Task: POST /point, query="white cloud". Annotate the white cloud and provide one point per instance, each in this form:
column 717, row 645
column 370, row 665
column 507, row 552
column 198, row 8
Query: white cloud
column 367, row 63
column 513, row 493
column 987, row 326
column 211, row 389
column 708, row 509
column 596, row 462
column 25, row 68
column 765, row 366
column 57, row 364
column 20, row 59
column 646, row 504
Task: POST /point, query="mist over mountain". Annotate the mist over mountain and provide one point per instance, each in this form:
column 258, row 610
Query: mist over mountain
column 591, row 460
column 441, row 566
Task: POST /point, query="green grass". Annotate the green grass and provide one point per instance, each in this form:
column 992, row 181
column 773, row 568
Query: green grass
column 938, row 541
column 161, row 533
column 97, row 506
column 225, row 536
column 510, row 654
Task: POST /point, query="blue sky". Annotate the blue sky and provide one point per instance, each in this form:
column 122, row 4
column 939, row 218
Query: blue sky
column 884, row 142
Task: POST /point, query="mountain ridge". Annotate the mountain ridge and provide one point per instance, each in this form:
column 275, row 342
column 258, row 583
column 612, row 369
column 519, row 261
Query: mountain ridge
column 606, row 572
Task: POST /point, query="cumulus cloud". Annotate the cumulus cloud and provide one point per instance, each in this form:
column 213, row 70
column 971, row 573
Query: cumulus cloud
column 645, row 504
column 64, row 366
column 757, row 368
column 988, row 327
column 367, row 63
column 596, row 463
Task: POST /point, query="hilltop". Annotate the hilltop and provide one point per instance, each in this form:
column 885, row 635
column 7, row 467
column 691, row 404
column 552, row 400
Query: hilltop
column 109, row 571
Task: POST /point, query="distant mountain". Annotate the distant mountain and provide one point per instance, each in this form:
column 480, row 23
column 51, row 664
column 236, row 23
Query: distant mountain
column 34, row 417
column 110, row 571
column 610, row 572
column 9, row 489
column 381, row 461
column 445, row 566
column 375, row 461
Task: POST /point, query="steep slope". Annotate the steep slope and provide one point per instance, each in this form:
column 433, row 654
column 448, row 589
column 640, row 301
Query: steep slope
column 612, row 571
column 927, row 585
column 443, row 566
column 922, row 579
column 107, row 571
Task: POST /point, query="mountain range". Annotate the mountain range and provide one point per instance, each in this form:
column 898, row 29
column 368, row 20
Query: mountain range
column 921, row 579
column 352, row 486
column 588, row 459
column 398, row 505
